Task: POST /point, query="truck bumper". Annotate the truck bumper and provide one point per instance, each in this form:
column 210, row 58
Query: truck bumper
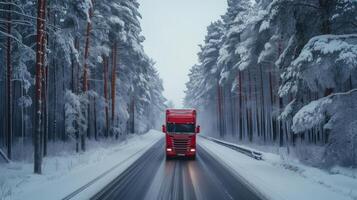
column 173, row 154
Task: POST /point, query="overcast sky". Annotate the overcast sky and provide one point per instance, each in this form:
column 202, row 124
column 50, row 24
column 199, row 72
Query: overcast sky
column 173, row 31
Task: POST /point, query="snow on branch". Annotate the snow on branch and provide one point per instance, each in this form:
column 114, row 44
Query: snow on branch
column 327, row 60
column 16, row 39
column 310, row 115
column 335, row 108
column 75, row 118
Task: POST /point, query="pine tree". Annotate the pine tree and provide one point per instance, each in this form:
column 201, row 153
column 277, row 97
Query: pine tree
column 269, row 71
column 41, row 18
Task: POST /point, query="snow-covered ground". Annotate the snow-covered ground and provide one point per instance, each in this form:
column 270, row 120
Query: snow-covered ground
column 278, row 179
column 64, row 174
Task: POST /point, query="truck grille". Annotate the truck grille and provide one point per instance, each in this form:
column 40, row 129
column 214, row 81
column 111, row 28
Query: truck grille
column 181, row 145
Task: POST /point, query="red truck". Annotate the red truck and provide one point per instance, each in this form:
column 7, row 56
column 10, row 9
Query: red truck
column 180, row 131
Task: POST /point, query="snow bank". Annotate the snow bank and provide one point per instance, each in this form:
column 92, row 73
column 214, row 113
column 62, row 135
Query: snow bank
column 64, row 174
column 242, row 149
column 276, row 179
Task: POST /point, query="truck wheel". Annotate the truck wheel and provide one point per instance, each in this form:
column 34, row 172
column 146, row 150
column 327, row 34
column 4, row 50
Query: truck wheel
column 193, row 157
column 168, row 157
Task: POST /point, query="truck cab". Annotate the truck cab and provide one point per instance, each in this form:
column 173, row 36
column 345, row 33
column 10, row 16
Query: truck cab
column 181, row 130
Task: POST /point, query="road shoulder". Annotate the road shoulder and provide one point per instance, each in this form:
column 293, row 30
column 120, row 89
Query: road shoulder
column 273, row 182
column 65, row 174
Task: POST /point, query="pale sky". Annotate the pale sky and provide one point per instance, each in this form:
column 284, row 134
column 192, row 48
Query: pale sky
column 173, row 31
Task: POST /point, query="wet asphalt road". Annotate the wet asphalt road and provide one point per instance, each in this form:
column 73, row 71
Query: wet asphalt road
column 152, row 177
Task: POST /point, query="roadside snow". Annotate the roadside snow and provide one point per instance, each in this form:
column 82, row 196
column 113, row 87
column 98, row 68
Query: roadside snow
column 278, row 180
column 64, row 174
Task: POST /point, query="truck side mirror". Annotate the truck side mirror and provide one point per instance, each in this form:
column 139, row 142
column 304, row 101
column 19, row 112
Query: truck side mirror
column 198, row 129
column 164, row 128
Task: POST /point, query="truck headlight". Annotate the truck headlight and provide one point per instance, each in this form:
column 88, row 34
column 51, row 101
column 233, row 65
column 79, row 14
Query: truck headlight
column 168, row 149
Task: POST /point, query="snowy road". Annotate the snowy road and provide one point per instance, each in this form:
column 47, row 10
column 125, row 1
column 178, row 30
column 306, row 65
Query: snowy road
column 152, row 177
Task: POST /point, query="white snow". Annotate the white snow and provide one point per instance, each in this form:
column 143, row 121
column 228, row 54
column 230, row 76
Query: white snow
column 264, row 26
column 327, row 61
column 64, row 174
column 117, row 20
column 276, row 179
column 287, row 111
column 311, row 115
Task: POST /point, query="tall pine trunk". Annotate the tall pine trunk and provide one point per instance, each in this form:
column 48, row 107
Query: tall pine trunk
column 240, row 107
column 113, row 86
column 85, row 70
column 281, row 102
column 44, row 98
column 272, row 102
column 105, row 74
column 262, row 117
column 54, row 114
column 257, row 116
column 45, row 111
column 76, row 89
column 250, row 113
column 95, row 120
column 9, row 84
column 41, row 13
column 133, row 115
column 219, row 102
column 54, row 73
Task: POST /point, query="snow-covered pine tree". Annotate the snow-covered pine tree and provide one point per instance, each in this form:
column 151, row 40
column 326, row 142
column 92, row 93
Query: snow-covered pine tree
column 63, row 100
column 275, row 58
column 203, row 85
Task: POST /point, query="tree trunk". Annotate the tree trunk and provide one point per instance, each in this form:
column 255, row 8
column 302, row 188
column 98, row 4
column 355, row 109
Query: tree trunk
column 281, row 102
column 44, row 96
column 272, row 120
column 76, row 74
column 76, row 89
column 54, row 65
column 325, row 9
column 45, row 109
column 55, row 101
column 133, row 115
column 219, row 97
column 85, row 69
column 63, row 128
column 263, row 117
column 114, row 57
column 9, row 84
column 86, row 56
column 41, row 13
column 250, row 118
column 95, row 120
column 73, row 67
column 240, row 107
column 105, row 65
column 257, row 119
column 232, row 114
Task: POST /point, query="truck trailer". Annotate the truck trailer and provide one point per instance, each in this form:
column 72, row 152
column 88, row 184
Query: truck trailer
column 181, row 129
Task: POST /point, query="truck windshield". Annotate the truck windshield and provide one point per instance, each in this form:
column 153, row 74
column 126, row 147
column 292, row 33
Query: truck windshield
column 180, row 128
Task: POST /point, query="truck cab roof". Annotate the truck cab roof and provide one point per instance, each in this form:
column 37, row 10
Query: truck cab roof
column 187, row 116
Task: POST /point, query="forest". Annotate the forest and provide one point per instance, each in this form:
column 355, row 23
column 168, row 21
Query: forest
column 73, row 71
column 282, row 74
